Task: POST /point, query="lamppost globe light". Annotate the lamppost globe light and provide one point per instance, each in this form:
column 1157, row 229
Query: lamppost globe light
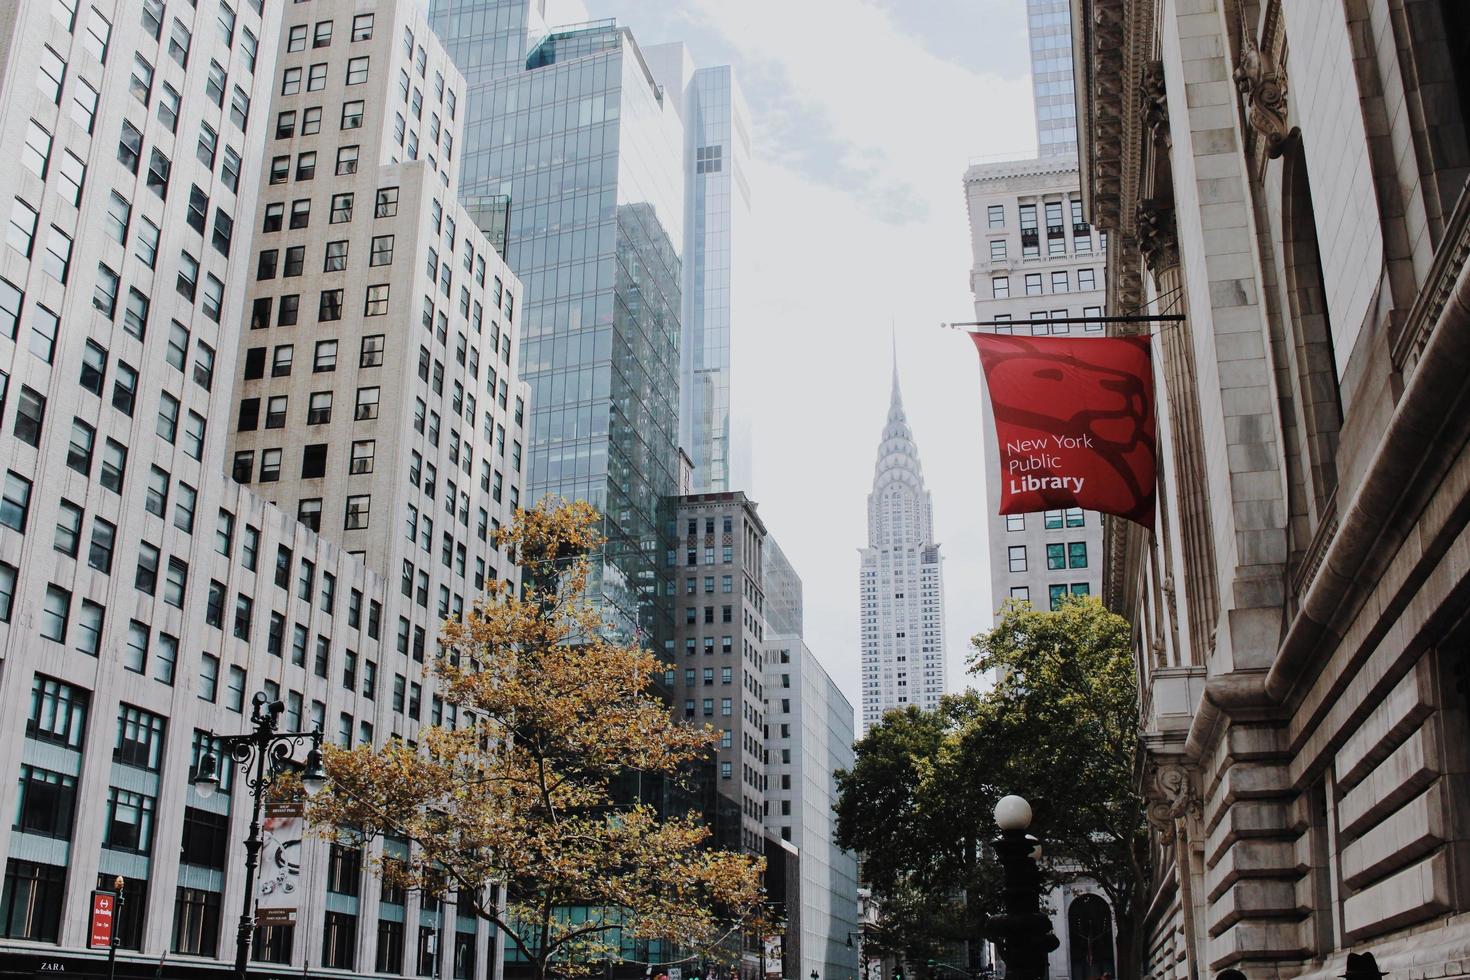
column 205, row 781
column 314, row 777
column 1012, row 813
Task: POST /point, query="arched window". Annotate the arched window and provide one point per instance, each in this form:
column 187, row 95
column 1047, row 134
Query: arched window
column 1090, row 935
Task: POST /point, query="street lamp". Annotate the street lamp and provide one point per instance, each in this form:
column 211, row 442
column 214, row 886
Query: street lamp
column 1023, row 932
column 117, row 886
column 262, row 756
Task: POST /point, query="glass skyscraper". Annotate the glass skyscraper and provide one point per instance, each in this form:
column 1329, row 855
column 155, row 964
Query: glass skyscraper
column 717, row 203
column 584, row 143
column 1050, row 25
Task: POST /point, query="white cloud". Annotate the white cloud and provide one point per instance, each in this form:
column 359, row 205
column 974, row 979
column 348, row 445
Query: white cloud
column 862, row 135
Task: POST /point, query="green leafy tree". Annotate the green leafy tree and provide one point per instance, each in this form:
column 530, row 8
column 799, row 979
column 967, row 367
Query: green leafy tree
column 1058, row 727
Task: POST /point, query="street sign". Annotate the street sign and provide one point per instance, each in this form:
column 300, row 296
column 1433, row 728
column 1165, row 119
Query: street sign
column 104, row 907
column 676, row 973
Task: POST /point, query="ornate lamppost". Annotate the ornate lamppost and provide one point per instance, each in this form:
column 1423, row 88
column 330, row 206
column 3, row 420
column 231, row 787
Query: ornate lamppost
column 262, row 756
column 1023, row 931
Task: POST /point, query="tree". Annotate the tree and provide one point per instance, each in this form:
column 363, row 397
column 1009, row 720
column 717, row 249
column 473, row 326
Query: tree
column 1059, row 727
column 1066, row 680
column 521, row 794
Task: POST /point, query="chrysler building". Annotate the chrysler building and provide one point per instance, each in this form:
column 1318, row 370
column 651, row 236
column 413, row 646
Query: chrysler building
column 901, row 587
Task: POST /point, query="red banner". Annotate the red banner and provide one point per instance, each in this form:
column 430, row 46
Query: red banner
column 1074, row 422
column 104, row 907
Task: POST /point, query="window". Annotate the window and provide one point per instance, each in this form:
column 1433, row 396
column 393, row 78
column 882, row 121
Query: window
column 1033, row 284
column 387, row 203
column 316, row 77
column 996, row 215
column 305, row 166
column 169, row 101
column 1021, row 592
column 11, row 300
column 1016, row 557
column 146, row 248
column 270, row 465
column 159, row 168
column 346, row 160
column 31, row 904
column 281, row 359
column 1015, row 522
column 372, row 351
column 104, row 535
column 168, row 416
column 382, row 253
column 295, row 261
column 44, row 327
column 1000, row 287
column 309, row 512
column 114, row 462
column 1086, row 280
column 357, row 69
column 329, row 305
column 22, row 233
column 1056, row 556
column 15, row 504
column 997, row 249
column 46, row 802
column 352, row 115
column 79, row 451
column 319, row 408
column 30, row 411
column 187, row 282
column 51, row 75
column 314, row 461
column 341, row 208
column 362, row 30
column 358, row 507
column 325, row 357
column 55, row 611
column 376, row 301
column 363, row 451
column 139, row 738
column 35, row 155
column 1077, row 554
column 367, row 404
column 89, row 628
column 336, row 257
column 57, row 260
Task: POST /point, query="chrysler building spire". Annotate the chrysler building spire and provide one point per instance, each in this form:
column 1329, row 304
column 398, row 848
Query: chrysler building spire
column 901, row 589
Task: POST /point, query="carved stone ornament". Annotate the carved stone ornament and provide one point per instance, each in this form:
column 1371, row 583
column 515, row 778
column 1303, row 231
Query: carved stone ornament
column 1156, row 236
column 1263, row 84
column 1171, row 798
column 1155, row 102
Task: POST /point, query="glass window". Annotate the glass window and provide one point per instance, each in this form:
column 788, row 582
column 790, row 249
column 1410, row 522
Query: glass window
column 1016, row 557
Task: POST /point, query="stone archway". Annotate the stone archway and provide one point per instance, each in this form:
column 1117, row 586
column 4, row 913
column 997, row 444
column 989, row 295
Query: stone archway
column 1090, row 938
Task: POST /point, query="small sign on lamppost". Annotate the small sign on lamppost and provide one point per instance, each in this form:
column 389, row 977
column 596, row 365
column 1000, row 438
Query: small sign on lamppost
column 104, row 908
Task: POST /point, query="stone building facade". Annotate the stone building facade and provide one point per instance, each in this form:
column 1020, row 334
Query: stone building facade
column 720, row 638
column 1290, row 176
column 1035, row 261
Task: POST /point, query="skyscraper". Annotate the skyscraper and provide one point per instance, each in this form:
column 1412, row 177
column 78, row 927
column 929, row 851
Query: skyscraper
column 716, row 267
column 901, row 585
column 588, row 148
column 1036, row 260
column 1049, row 25
column 145, row 134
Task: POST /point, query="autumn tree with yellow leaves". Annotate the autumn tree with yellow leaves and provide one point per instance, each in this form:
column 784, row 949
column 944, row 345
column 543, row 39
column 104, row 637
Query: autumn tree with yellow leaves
column 521, row 797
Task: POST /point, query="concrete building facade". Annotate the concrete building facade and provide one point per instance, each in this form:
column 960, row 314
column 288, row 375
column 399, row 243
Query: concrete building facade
column 1049, row 30
column 1035, row 261
column 144, row 595
column 1290, row 177
column 810, row 726
column 720, row 636
column 900, row 580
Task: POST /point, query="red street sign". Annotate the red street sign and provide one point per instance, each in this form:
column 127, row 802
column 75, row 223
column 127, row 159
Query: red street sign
column 104, row 905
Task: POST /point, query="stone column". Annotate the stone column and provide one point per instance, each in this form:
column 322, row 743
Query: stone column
column 1161, row 253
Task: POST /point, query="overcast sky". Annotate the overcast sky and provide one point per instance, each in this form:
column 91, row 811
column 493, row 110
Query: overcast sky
column 865, row 115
